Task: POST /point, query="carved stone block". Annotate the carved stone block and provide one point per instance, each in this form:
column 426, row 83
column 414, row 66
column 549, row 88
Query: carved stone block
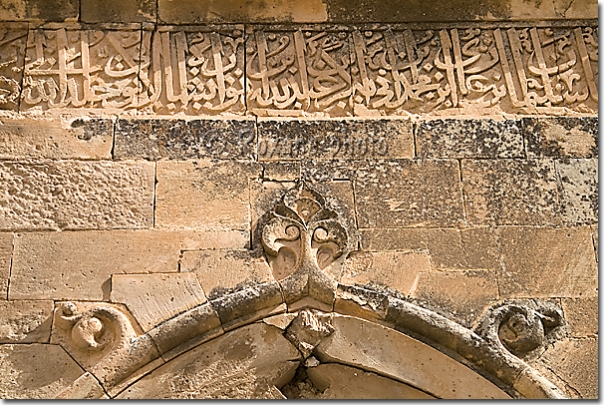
column 193, row 70
column 298, row 73
column 13, row 38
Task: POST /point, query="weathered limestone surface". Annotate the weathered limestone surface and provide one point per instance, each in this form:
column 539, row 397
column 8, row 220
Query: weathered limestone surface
column 337, row 381
column 12, row 47
column 542, row 262
column 35, row 371
column 56, row 139
column 85, row 387
column 204, row 194
column 471, row 138
column 561, row 137
column 152, row 298
column 511, row 192
column 581, row 315
column 580, row 190
column 25, row 321
column 225, row 270
column 78, row 265
column 283, row 140
column 232, row 366
column 97, row 11
column 6, row 252
column 409, row 193
column 27, row 10
column 76, row 195
column 154, row 139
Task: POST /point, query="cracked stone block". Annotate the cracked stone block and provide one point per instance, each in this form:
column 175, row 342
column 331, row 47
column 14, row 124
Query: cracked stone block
column 233, row 365
column 6, row 252
column 461, row 295
column 56, row 139
column 402, row 193
column 580, row 190
column 25, row 321
column 204, row 194
column 349, row 139
column 152, row 298
column 125, row 11
column 76, row 195
column 35, row 371
column 561, row 137
column 546, row 262
column 154, row 139
column 511, row 192
column 449, row 249
column 224, row 271
column 78, row 265
column 469, row 138
column 85, row 387
column 581, row 315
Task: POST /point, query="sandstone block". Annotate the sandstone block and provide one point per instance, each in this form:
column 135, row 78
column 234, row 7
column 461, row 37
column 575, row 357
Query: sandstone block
column 362, row 302
column 511, row 192
column 202, row 194
column 85, row 387
column 461, row 295
column 469, row 138
column 581, row 314
column 409, row 193
column 152, row 298
column 240, row 364
column 560, row 137
column 35, row 371
column 543, row 262
column 25, row 321
column 78, row 265
column 76, row 195
column 41, row 139
column 349, row 139
column 594, row 236
column 385, row 270
column 225, row 270
column 12, row 47
column 281, row 171
column 580, row 190
column 6, row 253
column 155, row 139
column 96, row 11
column 27, row 10
column 449, row 249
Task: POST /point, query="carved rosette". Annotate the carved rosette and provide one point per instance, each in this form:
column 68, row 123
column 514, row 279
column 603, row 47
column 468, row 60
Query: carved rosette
column 301, row 241
column 520, row 329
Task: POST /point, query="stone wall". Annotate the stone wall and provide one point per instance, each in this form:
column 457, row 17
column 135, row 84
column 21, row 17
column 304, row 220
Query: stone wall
column 150, row 152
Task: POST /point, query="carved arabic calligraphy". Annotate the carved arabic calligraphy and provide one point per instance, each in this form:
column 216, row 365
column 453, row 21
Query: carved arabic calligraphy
column 12, row 49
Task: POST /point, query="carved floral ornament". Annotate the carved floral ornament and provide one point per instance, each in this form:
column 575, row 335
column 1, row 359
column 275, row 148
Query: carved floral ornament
column 306, row 243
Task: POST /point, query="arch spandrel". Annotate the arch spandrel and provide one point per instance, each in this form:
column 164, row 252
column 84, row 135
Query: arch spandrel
column 255, row 341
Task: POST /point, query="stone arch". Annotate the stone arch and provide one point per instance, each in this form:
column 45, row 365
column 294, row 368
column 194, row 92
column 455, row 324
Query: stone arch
column 253, row 341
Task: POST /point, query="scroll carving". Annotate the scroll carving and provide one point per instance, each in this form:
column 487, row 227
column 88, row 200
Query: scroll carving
column 301, row 240
column 521, row 329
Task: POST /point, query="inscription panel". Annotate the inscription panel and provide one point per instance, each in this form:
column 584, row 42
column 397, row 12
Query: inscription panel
column 13, row 37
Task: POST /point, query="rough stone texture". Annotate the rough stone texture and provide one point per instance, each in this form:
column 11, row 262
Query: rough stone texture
column 560, row 137
column 470, row 248
column 27, row 10
column 76, row 195
column 391, row 270
column 409, row 193
column 575, row 361
column 469, row 138
column 12, row 49
column 152, row 298
column 192, row 11
column 155, row 139
column 398, row 356
column 580, row 190
column 542, row 262
column 85, row 387
column 281, row 171
column 234, row 365
column 6, row 252
column 202, row 194
column 99, row 11
column 25, row 321
column 225, row 270
column 351, row 139
column 35, row 371
column 337, row 381
column 55, row 139
column 594, row 236
column 78, row 265
column 581, row 315
column 460, row 295
column 511, row 192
